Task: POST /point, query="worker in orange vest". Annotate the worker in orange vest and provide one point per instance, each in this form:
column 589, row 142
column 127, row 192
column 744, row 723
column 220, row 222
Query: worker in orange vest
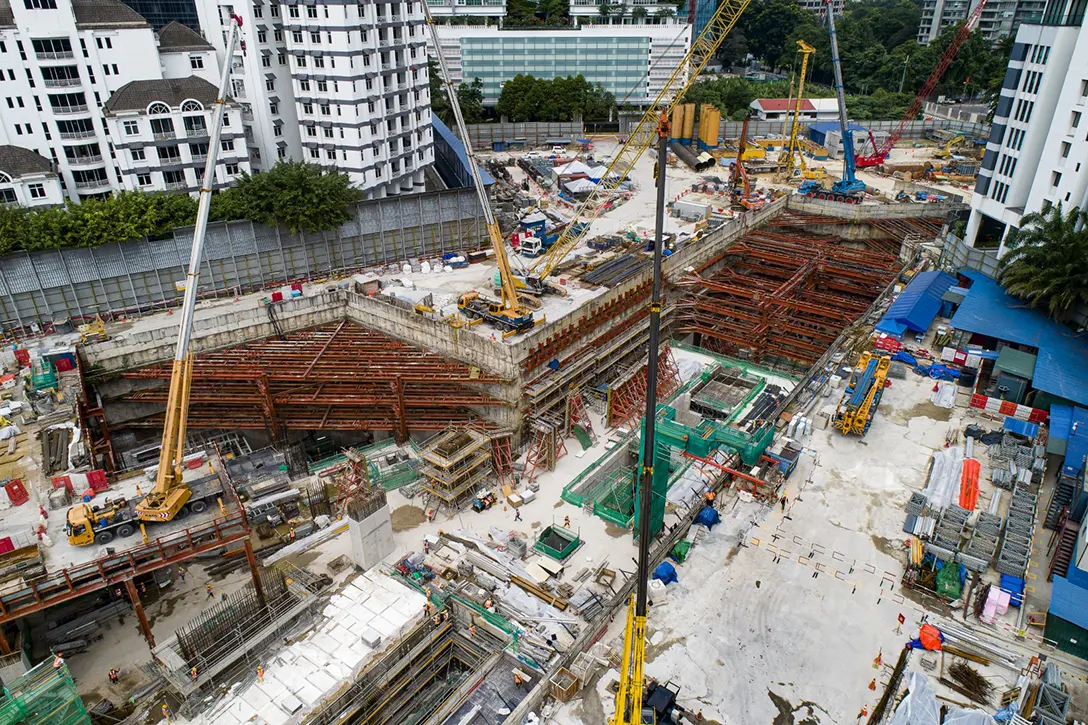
column 260, row 673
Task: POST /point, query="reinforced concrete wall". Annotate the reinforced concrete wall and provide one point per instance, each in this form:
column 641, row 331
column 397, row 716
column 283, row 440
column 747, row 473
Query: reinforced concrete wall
column 141, row 275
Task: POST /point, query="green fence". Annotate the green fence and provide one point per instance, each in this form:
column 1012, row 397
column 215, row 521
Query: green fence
column 388, row 477
column 43, row 696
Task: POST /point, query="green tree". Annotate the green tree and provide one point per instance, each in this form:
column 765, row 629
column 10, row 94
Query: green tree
column 1048, row 261
column 302, row 197
column 768, row 23
column 470, row 96
column 639, row 14
column 440, row 102
column 733, row 49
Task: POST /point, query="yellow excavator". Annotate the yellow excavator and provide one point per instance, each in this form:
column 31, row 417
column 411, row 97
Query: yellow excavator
column 171, row 497
column 509, row 313
column 946, row 150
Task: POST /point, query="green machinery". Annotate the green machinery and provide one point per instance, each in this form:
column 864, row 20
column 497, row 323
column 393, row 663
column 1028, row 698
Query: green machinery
column 45, row 695
column 698, row 443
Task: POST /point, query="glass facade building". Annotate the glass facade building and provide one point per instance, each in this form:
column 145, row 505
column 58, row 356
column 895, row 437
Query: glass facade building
column 161, row 12
column 617, row 63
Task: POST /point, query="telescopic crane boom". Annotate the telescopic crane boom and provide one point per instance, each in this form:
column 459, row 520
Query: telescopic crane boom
column 644, row 134
column 508, row 314
column 171, row 493
column 793, row 147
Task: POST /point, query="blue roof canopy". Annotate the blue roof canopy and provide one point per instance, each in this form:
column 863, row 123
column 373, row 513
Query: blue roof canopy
column 1069, row 602
column 917, row 305
column 1076, row 446
column 1061, row 421
column 1061, row 368
column 447, row 138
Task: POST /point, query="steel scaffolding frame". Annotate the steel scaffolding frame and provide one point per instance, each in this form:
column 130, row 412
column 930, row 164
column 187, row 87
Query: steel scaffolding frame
column 337, row 376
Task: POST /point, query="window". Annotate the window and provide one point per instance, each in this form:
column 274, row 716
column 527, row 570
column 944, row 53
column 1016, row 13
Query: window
column 275, row 11
column 325, row 110
column 40, row 4
column 138, row 155
column 270, row 84
column 226, row 119
column 1055, row 178
column 1076, row 119
column 174, row 179
column 37, row 191
column 293, row 11
column 198, row 151
column 232, row 169
column 315, row 37
column 304, row 85
column 308, row 108
column 277, row 35
column 322, row 86
column 277, row 131
column 105, row 70
column 266, row 61
column 115, row 71
column 1066, row 146
column 283, row 58
column 162, row 128
column 319, row 61
column 195, row 126
column 273, row 108
column 330, row 154
column 169, row 154
column 311, row 131
column 300, row 61
column 258, row 11
column 369, row 84
column 314, row 153
column 262, row 36
column 311, row 11
column 328, row 133
column 296, row 35
column 1084, row 88
column 281, row 152
column 227, row 145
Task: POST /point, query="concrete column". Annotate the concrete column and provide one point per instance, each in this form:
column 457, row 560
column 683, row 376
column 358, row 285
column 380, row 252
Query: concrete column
column 371, row 535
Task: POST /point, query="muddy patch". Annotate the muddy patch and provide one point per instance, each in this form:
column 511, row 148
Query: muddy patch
column 889, row 547
column 614, row 530
column 922, row 409
column 731, row 555
column 407, row 517
column 804, row 714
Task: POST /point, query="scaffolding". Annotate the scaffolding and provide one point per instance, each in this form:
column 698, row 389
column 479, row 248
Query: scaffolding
column 45, row 695
column 455, row 463
column 627, row 395
column 547, row 445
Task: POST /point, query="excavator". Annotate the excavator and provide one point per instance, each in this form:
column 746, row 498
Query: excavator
column 946, row 149
column 638, row 701
column 740, row 183
column 793, row 150
column 510, row 314
column 171, row 497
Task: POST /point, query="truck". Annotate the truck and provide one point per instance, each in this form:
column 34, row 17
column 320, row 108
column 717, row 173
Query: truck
column 90, row 523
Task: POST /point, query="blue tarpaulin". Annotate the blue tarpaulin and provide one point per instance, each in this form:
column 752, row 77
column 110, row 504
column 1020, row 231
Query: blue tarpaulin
column 1061, row 367
column 917, row 305
column 1021, row 427
column 1015, row 586
column 708, row 517
column 904, row 356
column 665, row 572
column 1076, row 446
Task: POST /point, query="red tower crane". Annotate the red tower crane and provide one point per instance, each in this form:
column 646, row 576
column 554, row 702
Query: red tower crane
column 881, row 152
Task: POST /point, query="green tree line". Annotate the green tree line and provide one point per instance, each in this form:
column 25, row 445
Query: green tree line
column 526, row 98
column 302, row 197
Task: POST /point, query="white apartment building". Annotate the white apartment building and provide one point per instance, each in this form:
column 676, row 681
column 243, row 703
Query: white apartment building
column 632, row 62
column 1037, row 154
column 342, row 85
column 161, row 133
column 27, row 179
column 183, row 53
column 999, row 19
column 469, row 8
column 638, row 12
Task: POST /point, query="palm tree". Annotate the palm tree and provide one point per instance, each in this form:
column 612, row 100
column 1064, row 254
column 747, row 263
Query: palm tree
column 1048, row 260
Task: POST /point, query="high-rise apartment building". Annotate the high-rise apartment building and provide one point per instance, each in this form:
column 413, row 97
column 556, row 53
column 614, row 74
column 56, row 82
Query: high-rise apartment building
column 342, row 85
column 999, row 19
column 1037, row 154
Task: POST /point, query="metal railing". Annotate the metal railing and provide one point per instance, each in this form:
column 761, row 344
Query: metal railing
column 175, row 185
column 61, row 82
column 88, row 159
column 164, row 135
column 54, row 54
column 199, row 158
column 69, row 135
column 64, row 110
column 92, row 184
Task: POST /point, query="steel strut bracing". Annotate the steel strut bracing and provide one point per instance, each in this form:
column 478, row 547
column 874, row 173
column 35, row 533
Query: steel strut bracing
column 339, row 376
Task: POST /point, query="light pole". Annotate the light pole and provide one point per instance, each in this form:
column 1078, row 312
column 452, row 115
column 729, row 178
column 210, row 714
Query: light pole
column 903, row 77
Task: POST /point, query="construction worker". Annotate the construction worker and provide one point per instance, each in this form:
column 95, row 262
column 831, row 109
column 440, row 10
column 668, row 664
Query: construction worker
column 260, row 673
column 181, row 574
column 291, row 534
column 489, row 604
column 472, row 629
column 58, row 661
column 518, row 682
column 143, row 588
column 709, row 497
column 517, row 514
column 223, row 597
column 782, row 502
column 426, row 547
column 114, row 675
column 166, row 713
column 193, row 675
column 208, row 589
column 566, row 522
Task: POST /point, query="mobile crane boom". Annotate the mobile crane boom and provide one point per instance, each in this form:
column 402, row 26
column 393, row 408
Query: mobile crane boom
column 880, row 154
column 508, row 314
column 644, row 134
column 171, row 493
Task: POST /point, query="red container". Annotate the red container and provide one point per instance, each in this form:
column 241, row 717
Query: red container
column 63, row 364
column 64, row 482
column 23, row 356
column 297, row 286
column 277, row 297
column 17, row 493
column 97, row 481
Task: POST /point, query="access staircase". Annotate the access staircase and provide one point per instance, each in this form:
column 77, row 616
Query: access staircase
column 1063, row 551
column 1062, row 498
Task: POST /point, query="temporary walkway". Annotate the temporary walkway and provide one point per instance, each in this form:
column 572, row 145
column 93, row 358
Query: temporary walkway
column 917, row 305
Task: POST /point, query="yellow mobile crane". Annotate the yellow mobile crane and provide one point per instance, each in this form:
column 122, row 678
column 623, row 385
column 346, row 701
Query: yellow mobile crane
column 640, row 139
column 633, row 694
column 508, row 314
column 793, row 146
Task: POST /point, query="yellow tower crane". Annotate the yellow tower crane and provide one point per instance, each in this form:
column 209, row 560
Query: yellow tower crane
column 793, row 147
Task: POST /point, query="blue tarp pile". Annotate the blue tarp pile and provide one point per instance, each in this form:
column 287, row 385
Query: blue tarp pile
column 665, row 573
column 708, row 517
column 1015, row 587
column 937, row 371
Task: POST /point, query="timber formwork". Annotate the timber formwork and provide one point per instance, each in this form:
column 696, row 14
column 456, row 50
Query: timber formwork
column 786, row 294
column 455, row 464
column 337, row 376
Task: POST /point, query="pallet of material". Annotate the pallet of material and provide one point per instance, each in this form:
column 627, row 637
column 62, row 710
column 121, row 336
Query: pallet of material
column 545, row 596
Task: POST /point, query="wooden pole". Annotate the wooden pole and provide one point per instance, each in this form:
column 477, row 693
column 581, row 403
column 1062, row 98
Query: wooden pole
column 145, row 626
column 254, row 571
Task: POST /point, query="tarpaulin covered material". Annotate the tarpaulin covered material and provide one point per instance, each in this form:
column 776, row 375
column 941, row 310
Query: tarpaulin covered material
column 665, row 573
column 1015, row 362
column 919, row 707
column 708, row 517
column 917, row 305
column 929, row 637
column 1069, row 602
column 950, row 580
column 1021, row 427
column 969, row 483
column 1061, row 367
column 944, row 394
column 1014, row 585
column 968, row 717
column 680, row 552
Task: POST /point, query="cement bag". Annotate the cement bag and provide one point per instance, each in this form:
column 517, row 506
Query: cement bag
column 919, row 707
column 968, row 717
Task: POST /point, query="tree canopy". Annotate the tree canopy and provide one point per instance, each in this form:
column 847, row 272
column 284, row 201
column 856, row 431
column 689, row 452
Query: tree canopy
column 526, row 98
column 302, row 197
column 1048, row 262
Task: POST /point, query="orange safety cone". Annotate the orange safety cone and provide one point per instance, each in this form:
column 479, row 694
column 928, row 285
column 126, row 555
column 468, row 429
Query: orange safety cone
column 879, row 659
column 872, row 685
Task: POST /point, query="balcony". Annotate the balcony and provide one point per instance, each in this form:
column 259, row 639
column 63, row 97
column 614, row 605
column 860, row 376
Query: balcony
column 69, row 110
column 164, row 135
column 92, row 184
column 62, row 82
column 54, row 54
column 85, row 160
column 200, row 158
column 72, row 135
column 175, row 185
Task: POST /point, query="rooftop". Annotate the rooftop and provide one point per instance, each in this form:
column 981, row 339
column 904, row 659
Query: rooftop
column 138, row 95
column 782, row 104
column 7, row 19
column 16, row 161
column 106, row 14
column 177, row 37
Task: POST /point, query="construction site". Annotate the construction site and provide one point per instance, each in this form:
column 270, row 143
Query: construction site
column 652, row 448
